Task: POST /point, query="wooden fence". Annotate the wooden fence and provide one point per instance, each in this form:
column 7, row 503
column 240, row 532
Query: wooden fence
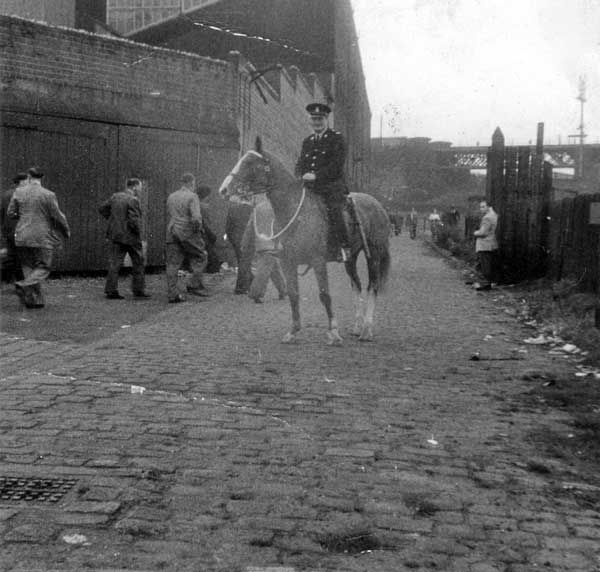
column 573, row 243
column 519, row 186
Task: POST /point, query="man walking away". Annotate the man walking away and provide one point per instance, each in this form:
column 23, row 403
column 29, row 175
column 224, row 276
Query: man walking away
column 39, row 221
column 486, row 245
column 124, row 215
column 184, row 239
column 11, row 267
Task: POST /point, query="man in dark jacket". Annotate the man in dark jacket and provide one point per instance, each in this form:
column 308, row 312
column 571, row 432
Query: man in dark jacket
column 124, row 216
column 321, row 166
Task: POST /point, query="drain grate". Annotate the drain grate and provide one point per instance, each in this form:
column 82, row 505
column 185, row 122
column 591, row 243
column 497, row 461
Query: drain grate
column 31, row 489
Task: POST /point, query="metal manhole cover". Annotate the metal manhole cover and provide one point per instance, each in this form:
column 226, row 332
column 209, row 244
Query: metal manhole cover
column 33, row 489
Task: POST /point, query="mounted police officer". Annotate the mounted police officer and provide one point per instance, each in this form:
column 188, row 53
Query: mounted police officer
column 321, row 166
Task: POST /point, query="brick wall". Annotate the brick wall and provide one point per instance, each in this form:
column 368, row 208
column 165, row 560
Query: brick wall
column 72, row 73
column 350, row 97
column 273, row 107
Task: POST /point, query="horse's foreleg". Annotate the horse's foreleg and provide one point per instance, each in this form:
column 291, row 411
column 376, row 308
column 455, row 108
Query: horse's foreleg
column 333, row 335
column 291, row 277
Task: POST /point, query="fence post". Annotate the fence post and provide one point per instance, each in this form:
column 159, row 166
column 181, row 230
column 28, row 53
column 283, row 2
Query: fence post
column 495, row 169
column 495, row 192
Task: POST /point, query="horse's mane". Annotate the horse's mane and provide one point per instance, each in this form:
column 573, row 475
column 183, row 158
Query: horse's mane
column 279, row 168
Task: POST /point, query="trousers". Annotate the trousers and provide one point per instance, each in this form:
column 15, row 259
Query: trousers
column 177, row 253
column 267, row 266
column 35, row 263
column 486, row 266
column 117, row 254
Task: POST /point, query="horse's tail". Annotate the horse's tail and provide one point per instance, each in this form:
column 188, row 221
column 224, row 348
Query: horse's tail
column 382, row 251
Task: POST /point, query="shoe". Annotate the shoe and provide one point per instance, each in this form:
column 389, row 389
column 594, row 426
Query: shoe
column 257, row 300
column 481, row 287
column 198, row 292
column 177, row 299
column 142, row 295
column 115, row 296
column 346, row 254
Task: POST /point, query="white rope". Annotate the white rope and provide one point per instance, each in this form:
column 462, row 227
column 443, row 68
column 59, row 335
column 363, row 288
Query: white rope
column 274, row 236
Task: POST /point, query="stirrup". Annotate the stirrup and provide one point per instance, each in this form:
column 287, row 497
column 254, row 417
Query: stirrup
column 346, row 253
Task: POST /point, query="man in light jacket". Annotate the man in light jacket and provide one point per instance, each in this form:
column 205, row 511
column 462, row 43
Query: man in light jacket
column 184, row 239
column 39, row 224
column 486, row 245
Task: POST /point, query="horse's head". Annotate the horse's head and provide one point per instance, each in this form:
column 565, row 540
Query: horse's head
column 251, row 175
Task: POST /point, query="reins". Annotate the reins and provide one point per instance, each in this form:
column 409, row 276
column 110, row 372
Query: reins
column 290, row 222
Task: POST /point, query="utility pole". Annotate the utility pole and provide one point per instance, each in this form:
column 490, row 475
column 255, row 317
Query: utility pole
column 581, row 136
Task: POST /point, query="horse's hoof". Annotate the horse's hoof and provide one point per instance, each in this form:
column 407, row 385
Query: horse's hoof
column 366, row 335
column 357, row 329
column 334, row 338
column 289, row 338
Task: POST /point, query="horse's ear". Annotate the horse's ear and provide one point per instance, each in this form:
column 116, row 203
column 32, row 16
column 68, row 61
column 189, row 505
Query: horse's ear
column 258, row 145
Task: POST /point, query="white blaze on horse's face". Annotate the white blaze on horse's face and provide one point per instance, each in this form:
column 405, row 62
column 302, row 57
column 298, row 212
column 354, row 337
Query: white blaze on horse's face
column 231, row 185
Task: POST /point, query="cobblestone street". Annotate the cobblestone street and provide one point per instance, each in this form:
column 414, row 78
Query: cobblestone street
column 193, row 440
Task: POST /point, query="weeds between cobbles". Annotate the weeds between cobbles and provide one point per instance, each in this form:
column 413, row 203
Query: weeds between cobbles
column 556, row 309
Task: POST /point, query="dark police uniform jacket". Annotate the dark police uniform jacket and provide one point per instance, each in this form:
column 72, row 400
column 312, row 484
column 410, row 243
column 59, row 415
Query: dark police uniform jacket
column 325, row 157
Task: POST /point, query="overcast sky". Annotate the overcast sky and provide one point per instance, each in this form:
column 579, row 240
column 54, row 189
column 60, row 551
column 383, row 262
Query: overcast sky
column 453, row 70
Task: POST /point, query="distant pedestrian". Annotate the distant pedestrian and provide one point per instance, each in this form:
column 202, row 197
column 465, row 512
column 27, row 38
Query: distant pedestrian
column 486, row 245
column 454, row 216
column 267, row 254
column 39, row 222
column 184, row 240
column 435, row 221
column 124, row 215
column 451, row 217
column 396, row 221
column 11, row 267
column 412, row 220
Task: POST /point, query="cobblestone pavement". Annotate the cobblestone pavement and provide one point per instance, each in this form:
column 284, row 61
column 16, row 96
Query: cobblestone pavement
column 194, row 440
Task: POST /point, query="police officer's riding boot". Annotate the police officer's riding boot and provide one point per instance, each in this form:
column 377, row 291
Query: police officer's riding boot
column 341, row 232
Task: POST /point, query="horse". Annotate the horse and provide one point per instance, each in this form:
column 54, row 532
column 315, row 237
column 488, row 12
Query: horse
column 302, row 228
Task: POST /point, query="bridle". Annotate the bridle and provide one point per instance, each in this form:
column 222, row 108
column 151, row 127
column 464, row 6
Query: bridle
column 268, row 171
column 289, row 223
